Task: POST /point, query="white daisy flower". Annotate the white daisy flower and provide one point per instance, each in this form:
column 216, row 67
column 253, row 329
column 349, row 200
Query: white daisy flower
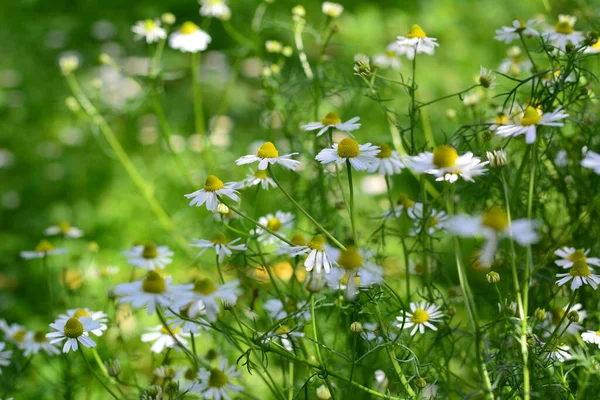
column 422, row 315
column 593, row 49
column 592, row 337
column 74, row 331
column 580, row 274
column 564, row 33
column 162, row 339
column 220, row 244
column 492, row 226
column 187, row 326
column 278, row 311
column 150, row 30
column 215, row 9
column 5, row 356
column 569, row 255
column 205, row 298
column 149, row 256
column 557, row 314
column 431, row 223
column 14, row 332
column 260, row 177
column 352, row 271
column 268, row 154
column 559, row 352
column 591, row 161
column 96, row 316
column 528, row 122
column 284, row 335
column 65, row 229
column 189, row 38
column 317, row 259
column 404, row 203
column 416, row 41
column 332, row 10
column 217, row 382
column 507, row 34
column 332, row 120
column 36, row 342
column 487, row 79
column 389, row 58
column 276, row 223
column 43, row 249
column 387, row 161
column 213, row 187
column 151, row 292
column 361, row 157
column 515, row 63
column 446, row 165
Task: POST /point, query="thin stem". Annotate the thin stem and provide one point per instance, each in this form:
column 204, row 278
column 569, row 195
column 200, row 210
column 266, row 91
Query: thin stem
column 562, row 319
column 99, row 362
column 317, row 345
column 351, row 188
column 448, row 96
column 96, row 375
column 197, row 90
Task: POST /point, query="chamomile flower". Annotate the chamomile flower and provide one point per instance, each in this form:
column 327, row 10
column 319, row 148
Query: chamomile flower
column 151, row 292
column 96, row 316
column 416, row 41
column 580, row 274
column 404, row 204
column 591, row 161
column 14, row 333
column 592, row 337
column 332, row 10
column 5, row 356
column 593, row 49
column 267, row 155
column 515, row 63
column 353, row 271
column 149, row 256
column 519, row 27
column 220, row 244
column 165, row 339
column 387, row 161
column 43, row 249
column 317, row 256
column 568, row 256
column 422, row 316
column 389, row 58
column 446, row 165
column 37, row 341
column 215, row 9
column 529, row 121
column 177, row 322
column 487, row 79
column 361, row 157
column 216, row 383
column 260, row 177
column 559, row 352
column 150, row 30
column 431, row 223
column 492, row 226
column 205, row 298
column 274, row 222
column 564, row 32
column 213, row 187
column 333, row 120
column 65, row 229
column 284, row 335
column 278, row 310
column 557, row 314
column 73, row 331
column 189, row 38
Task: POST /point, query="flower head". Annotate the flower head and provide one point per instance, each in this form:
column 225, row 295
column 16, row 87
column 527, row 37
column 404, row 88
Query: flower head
column 215, row 9
column 592, row 337
column 422, row 315
column 149, row 256
column 96, row 316
column 332, row 10
column 221, row 245
column 414, row 42
column 360, row 156
column 164, row 338
column 268, row 154
column 37, row 341
column 387, row 161
column 445, row 164
column 274, row 222
column 564, row 32
column 150, row 30
column 217, row 382
column 333, row 120
column 5, row 356
column 529, row 120
column 591, row 161
column 213, row 187
column 580, row 274
column 43, row 249
column 65, row 229
column 189, row 38
column 519, row 27
column 259, row 177
column 73, row 331
column 205, row 298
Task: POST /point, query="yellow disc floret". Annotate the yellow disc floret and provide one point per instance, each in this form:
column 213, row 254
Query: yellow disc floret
column 564, row 27
column 317, row 243
column 384, row 151
column 217, row 378
column 40, row 337
column 350, row 258
column 170, row 331
column 274, row 224
column 213, row 184
column 154, row 283
column 150, row 251
column 188, row 28
column 204, row 286
column 149, row 25
column 416, row 32
column 495, row 218
column 580, row 268
column 80, row 313
column 531, row 116
column 261, row 174
column 298, row 240
column 445, row 156
column 267, row 150
column 578, row 255
column 331, row 119
column 19, row 335
column 348, row 148
column 405, row 201
column 44, row 246
column 73, row 328
column 420, row 316
column 219, row 238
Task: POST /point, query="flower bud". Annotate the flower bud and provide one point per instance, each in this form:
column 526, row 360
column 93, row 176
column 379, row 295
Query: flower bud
column 299, row 11
column 211, row 354
column 323, row 393
column 420, row 382
column 105, row 59
column 222, row 209
column 493, row 277
column 168, row 18
column 356, row 327
column 497, row 158
column 573, row 316
column 172, row 389
column 540, row 314
column 68, row 63
column 113, row 367
column 153, row 393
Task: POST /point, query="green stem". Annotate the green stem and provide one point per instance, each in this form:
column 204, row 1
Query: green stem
column 317, row 345
column 99, row 362
column 351, row 188
column 197, row 90
column 96, row 375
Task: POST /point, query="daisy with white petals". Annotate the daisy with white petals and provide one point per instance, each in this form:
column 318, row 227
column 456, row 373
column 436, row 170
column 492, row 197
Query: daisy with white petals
column 216, row 383
column 580, row 274
column 568, row 256
column 215, row 8
column 361, row 157
column 213, row 187
column 559, row 352
column 268, row 154
column 96, row 316
column 389, row 58
column 189, row 38
column 422, row 316
column 165, row 339
column 260, row 177
column 275, row 223
column 416, row 41
column 317, row 256
column 387, row 161
column 149, row 256
column 220, row 244
column 507, row 34
column 14, row 333
column 528, row 122
column 5, row 356
column 333, row 120
column 592, row 337
column 36, row 342
column 205, row 298
column 591, row 161
column 65, row 229
column 73, row 331
column 284, row 336
column 353, row 271
column 150, row 30
column 332, row 10
column 564, row 32
column 43, row 249
column 446, row 165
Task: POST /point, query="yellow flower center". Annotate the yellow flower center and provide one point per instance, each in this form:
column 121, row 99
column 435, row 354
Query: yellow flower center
column 154, row 283
column 219, row 238
column 19, row 335
column 445, row 156
column 578, row 255
column 64, row 227
column 268, row 150
column 261, row 174
column 150, row 251
column 174, row 331
column 495, row 218
column 274, row 224
column 521, row 24
column 188, row 28
column 317, row 243
column 432, row 222
column 350, row 258
column 420, row 316
column 40, row 337
column 80, row 313
column 348, row 148
column 580, row 268
column 501, row 119
column 217, row 378
column 213, row 184
column 557, row 314
column 44, row 246
column 204, row 286
column 416, row 32
column 73, row 328
column 149, row 25
column 405, row 202
column 331, row 119
column 298, row 240
column 597, row 333
column 384, row 151
column 282, row 329
column 563, row 27
column 190, row 374
column 531, row 116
